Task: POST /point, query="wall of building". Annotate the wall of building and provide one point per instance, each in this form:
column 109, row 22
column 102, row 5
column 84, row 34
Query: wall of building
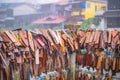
column 6, row 17
column 85, row 9
column 113, row 4
column 92, row 7
column 25, row 20
column 111, row 16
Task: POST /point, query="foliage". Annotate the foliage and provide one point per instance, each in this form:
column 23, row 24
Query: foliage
column 1, row 29
column 87, row 23
column 96, row 22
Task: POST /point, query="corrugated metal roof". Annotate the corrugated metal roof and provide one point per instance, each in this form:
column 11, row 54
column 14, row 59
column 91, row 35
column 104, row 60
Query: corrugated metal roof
column 50, row 20
column 41, row 1
column 60, row 2
column 12, row 1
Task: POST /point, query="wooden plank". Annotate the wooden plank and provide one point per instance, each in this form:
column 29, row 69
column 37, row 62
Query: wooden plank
column 30, row 39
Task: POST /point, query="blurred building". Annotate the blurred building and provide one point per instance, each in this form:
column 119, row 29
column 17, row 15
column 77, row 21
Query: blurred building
column 25, row 12
column 14, row 14
column 75, row 11
column 24, row 15
column 78, row 10
column 52, row 15
column 53, row 22
column 112, row 15
column 6, row 16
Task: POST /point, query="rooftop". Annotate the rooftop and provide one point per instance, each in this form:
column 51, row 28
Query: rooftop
column 12, row 1
column 50, row 20
column 30, row 1
column 24, row 10
column 103, row 1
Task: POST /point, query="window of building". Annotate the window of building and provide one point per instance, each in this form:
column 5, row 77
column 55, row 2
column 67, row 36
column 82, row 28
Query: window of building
column 103, row 8
column 88, row 5
column 76, row 6
column 113, row 4
column 113, row 22
column 95, row 8
column 83, row 5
